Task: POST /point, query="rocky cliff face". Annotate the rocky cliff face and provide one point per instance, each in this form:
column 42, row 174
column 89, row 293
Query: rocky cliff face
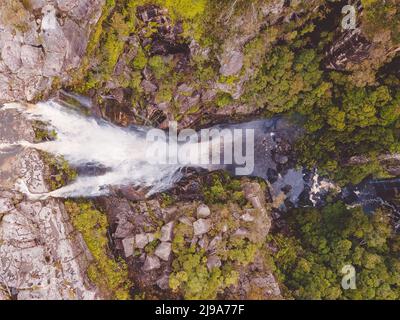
column 41, row 256
column 41, row 41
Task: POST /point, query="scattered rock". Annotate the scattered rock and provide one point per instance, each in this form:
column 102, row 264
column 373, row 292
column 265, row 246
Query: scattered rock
column 141, row 240
column 214, row 243
column 351, row 47
column 151, row 263
column 167, row 231
column 241, row 232
column 268, row 284
column 128, row 245
column 186, row 220
column 254, row 194
column 163, row 251
column 281, row 159
column 201, row 226
column 185, row 89
column 203, row 242
column 163, row 282
column 203, row 211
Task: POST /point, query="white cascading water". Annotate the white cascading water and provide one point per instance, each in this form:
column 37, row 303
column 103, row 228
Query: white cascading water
column 82, row 140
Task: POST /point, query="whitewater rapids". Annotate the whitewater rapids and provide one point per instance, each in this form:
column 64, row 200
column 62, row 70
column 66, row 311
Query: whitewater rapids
column 83, row 140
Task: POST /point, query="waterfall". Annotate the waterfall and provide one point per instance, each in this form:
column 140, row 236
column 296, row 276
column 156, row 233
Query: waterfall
column 84, row 140
column 124, row 152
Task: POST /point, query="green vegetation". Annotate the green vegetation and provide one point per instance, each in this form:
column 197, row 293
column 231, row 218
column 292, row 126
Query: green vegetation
column 286, row 81
column 190, row 273
column 341, row 119
column 42, row 133
column 309, row 260
column 348, row 113
column 222, row 188
column 60, row 172
column 382, row 17
column 223, row 99
column 191, row 276
column 110, row 275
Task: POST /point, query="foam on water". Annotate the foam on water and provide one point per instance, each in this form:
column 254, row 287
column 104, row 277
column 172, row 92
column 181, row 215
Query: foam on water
column 82, row 140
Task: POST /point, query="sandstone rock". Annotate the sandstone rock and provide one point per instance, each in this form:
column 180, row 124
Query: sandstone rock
column 151, row 263
column 201, row 226
column 203, row 211
column 11, row 55
column 32, row 59
column 163, row 251
column 40, row 256
column 167, row 231
column 4, row 294
column 36, row 49
column 133, row 194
